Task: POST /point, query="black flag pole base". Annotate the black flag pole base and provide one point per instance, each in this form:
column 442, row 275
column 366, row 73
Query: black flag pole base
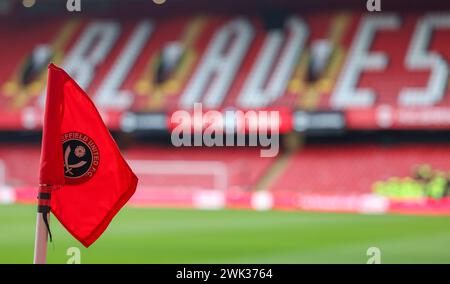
column 42, row 224
column 44, row 198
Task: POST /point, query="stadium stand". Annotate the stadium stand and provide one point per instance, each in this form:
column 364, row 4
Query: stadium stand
column 329, row 72
column 347, row 169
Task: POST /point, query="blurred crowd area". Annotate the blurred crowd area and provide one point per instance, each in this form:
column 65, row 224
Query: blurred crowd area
column 372, row 85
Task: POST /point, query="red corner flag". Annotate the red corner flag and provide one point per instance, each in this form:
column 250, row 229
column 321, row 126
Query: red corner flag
column 81, row 166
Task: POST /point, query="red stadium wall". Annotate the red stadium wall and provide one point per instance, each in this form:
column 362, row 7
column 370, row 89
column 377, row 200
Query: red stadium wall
column 316, row 178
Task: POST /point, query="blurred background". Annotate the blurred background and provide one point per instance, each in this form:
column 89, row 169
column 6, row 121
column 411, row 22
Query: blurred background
column 364, row 99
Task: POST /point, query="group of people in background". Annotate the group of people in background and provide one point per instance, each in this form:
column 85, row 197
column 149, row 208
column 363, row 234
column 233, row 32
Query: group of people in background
column 425, row 182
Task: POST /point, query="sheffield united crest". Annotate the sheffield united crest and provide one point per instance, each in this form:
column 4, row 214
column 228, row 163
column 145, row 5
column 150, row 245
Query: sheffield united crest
column 81, row 157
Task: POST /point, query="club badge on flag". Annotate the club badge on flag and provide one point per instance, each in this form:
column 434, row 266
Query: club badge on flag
column 84, row 180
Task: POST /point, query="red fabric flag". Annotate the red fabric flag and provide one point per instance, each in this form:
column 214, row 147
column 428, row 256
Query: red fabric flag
column 79, row 159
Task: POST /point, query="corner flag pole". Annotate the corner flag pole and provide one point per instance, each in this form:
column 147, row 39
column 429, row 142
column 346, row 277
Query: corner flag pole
column 42, row 225
column 40, row 243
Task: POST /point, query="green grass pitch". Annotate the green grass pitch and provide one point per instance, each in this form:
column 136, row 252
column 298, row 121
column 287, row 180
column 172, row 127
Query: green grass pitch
column 141, row 235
